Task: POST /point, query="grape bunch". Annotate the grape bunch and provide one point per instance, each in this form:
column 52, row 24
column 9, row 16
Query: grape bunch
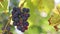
column 19, row 17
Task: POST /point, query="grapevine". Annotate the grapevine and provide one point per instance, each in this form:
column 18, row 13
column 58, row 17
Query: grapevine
column 29, row 17
column 20, row 16
column 55, row 20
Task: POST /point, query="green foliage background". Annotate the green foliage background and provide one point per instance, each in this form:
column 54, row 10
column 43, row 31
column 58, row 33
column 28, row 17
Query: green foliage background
column 38, row 24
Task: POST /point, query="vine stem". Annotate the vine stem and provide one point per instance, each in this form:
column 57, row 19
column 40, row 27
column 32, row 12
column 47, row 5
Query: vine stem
column 58, row 10
column 9, row 19
column 1, row 0
column 22, row 4
column 1, row 5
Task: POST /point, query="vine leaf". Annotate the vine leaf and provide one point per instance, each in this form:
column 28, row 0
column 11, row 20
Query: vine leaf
column 4, row 5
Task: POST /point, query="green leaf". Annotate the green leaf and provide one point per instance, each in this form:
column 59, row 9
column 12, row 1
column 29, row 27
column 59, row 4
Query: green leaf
column 4, row 5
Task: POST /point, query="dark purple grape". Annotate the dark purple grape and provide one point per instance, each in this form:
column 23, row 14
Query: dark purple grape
column 24, row 18
column 25, row 10
column 15, row 23
column 25, row 23
column 19, row 27
column 19, row 11
column 16, row 19
column 23, row 29
column 27, row 15
column 14, row 8
column 22, row 15
column 8, row 28
column 16, row 14
column 13, row 12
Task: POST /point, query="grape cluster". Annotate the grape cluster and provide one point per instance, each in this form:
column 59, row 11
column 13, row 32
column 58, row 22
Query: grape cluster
column 19, row 17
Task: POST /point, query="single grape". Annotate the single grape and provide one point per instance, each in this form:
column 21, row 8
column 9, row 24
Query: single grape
column 14, row 8
column 8, row 28
column 25, row 10
column 24, row 18
column 3, row 28
column 16, row 19
column 19, row 11
column 27, row 15
column 19, row 27
column 25, row 23
column 26, row 27
column 22, row 15
column 23, row 29
column 15, row 15
column 15, row 23
column 13, row 12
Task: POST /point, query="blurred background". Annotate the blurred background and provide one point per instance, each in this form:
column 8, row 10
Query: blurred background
column 40, row 12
